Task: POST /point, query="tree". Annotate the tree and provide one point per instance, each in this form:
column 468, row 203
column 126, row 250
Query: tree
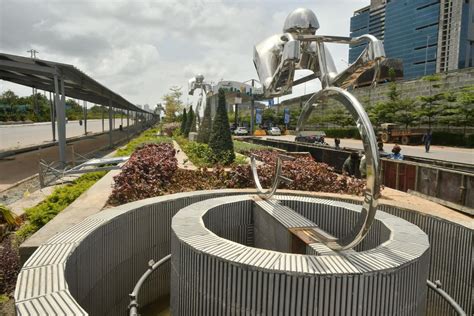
column 429, row 107
column 404, row 112
column 466, row 109
column 9, row 98
column 206, row 125
column 220, row 140
column 173, row 103
column 189, row 122
column 183, row 122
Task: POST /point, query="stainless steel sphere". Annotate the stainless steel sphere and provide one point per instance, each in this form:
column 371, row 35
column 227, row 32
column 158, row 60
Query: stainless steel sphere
column 302, row 21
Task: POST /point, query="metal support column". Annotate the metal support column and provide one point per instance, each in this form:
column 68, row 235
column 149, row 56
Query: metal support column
column 52, row 116
column 102, row 107
column 252, row 110
column 128, row 124
column 110, row 124
column 85, row 117
column 61, row 116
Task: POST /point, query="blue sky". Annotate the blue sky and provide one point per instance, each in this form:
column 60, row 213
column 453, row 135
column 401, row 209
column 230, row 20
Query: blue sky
column 142, row 48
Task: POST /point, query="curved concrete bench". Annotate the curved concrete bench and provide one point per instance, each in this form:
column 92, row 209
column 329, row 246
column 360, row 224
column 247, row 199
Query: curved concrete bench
column 222, row 275
column 92, row 267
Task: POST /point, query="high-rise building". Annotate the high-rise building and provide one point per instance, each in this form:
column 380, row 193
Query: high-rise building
column 427, row 35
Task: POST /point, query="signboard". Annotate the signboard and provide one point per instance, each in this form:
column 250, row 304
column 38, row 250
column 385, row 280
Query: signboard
column 258, row 116
column 287, row 116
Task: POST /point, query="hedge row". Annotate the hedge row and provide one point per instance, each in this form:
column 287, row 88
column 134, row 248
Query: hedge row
column 453, row 139
column 343, row 133
column 439, row 138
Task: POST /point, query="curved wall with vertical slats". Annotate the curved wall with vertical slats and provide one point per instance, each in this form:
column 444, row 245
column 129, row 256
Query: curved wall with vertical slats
column 213, row 275
column 91, row 268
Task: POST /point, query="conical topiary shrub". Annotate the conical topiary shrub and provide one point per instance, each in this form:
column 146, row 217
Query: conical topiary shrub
column 220, row 140
column 189, row 122
column 206, row 125
column 194, row 122
column 183, row 122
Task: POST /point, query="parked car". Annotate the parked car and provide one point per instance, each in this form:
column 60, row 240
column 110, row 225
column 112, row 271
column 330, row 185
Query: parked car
column 274, row 131
column 241, row 131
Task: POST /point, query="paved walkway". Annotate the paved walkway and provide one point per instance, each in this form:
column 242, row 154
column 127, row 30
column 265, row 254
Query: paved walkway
column 22, row 166
column 183, row 160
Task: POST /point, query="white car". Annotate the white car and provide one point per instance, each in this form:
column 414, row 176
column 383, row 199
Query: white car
column 241, row 131
column 274, row 131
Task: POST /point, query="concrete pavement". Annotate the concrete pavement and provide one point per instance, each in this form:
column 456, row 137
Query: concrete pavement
column 22, row 135
column 452, row 154
column 24, row 165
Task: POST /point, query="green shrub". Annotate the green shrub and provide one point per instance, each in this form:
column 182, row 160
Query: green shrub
column 452, row 139
column 199, row 154
column 189, row 122
column 221, row 139
column 183, row 122
column 45, row 211
column 342, row 133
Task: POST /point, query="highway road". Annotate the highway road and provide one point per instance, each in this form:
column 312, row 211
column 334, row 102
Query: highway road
column 23, row 135
column 453, row 154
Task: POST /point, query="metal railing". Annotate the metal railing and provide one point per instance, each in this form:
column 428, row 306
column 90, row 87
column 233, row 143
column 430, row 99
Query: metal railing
column 152, row 266
column 436, row 286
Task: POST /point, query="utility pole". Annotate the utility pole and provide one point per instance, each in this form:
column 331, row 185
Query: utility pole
column 33, row 91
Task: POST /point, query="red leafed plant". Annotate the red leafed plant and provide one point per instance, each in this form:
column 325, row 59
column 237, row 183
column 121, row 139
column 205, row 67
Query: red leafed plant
column 147, row 173
column 306, row 173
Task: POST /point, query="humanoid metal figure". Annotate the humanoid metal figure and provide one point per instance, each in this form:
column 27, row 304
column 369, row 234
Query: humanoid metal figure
column 276, row 59
column 196, row 83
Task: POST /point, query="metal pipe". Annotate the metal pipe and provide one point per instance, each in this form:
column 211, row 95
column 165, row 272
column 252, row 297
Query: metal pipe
column 152, row 266
column 85, row 117
column 436, row 286
column 60, row 110
column 52, row 116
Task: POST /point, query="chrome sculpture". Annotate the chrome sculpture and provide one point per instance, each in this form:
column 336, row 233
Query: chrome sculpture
column 196, row 83
column 276, row 59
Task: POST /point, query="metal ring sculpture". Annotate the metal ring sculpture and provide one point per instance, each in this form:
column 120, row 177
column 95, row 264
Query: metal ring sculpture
column 369, row 206
column 276, row 59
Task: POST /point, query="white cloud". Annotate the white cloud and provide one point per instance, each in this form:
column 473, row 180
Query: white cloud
column 141, row 48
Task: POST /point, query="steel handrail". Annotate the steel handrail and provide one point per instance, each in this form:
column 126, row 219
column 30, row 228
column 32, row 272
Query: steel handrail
column 152, row 266
column 436, row 286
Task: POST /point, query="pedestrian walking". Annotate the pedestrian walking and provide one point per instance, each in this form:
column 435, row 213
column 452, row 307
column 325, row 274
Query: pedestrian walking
column 427, row 140
column 337, row 142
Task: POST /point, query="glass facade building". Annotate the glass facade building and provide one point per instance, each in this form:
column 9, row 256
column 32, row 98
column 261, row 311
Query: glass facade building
column 427, row 35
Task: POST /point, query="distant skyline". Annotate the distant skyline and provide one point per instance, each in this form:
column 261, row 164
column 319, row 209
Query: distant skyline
column 140, row 49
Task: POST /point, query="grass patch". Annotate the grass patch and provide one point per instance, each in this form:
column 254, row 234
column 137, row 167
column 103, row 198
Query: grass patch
column 3, row 298
column 147, row 137
column 61, row 197
column 202, row 156
column 245, row 148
